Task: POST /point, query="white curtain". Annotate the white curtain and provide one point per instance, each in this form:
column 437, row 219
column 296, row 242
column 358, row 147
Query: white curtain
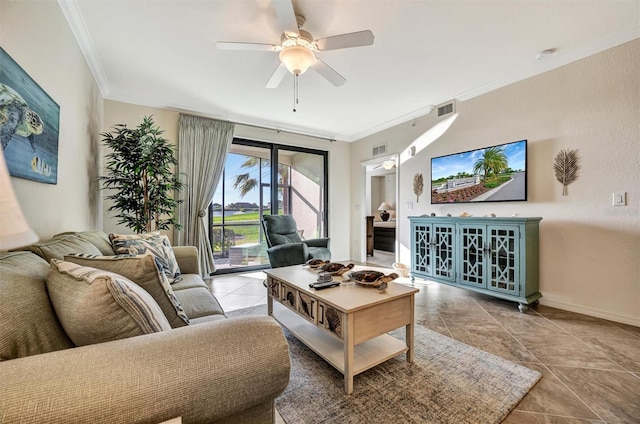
column 202, row 152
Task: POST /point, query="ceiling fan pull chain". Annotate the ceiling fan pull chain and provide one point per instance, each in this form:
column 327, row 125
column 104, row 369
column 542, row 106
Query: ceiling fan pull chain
column 295, row 91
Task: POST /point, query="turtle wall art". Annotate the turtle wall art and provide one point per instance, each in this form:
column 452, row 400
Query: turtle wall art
column 29, row 125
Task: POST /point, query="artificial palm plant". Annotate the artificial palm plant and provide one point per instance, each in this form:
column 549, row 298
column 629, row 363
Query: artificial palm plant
column 140, row 173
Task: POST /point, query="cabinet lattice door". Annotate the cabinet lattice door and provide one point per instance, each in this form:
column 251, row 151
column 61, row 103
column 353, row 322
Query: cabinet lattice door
column 422, row 245
column 434, row 253
column 503, row 260
column 472, row 251
column 443, row 251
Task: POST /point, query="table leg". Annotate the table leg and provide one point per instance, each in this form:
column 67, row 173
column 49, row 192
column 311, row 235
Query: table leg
column 349, row 348
column 269, row 298
column 410, row 331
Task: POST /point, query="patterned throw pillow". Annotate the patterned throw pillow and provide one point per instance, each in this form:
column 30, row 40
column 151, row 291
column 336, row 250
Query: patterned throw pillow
column 96, row 306
column 155, row 243
column 144, row 270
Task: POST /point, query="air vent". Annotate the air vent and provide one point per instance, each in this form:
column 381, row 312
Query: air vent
column 446, row 108
column 380, row 150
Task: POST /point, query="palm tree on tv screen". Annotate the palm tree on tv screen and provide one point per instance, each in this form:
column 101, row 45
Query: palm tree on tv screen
column 493, row 161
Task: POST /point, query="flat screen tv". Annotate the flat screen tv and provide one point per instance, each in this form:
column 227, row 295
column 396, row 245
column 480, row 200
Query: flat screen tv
column 491, row 174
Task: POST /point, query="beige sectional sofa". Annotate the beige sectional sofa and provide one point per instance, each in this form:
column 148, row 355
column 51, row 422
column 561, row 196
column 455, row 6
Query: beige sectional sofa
column 212, row 370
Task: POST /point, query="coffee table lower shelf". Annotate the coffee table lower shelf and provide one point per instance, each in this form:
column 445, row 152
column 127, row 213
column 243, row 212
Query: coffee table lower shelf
column 367, row 354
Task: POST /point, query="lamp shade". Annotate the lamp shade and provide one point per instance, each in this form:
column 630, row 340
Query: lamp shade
column 14, row 230
column 297, row 59
column 384, row 206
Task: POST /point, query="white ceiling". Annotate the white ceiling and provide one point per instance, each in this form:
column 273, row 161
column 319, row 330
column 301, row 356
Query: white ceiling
column 162, row 54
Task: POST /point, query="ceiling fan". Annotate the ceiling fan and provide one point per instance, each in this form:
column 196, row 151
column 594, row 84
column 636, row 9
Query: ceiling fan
column 298, row 48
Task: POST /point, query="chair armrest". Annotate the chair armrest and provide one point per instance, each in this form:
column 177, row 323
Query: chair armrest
column 317, row 242
column 187, row 257
column 288, row 254
column 203, row 373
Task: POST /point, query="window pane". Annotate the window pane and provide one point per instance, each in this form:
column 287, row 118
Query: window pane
column 239, row 201
column 301, row 190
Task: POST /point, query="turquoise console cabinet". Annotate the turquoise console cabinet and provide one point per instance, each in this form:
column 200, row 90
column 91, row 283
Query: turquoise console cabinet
column 495, row 256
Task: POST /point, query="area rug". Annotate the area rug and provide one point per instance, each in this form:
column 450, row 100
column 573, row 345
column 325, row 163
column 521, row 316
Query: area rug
column 449, row 383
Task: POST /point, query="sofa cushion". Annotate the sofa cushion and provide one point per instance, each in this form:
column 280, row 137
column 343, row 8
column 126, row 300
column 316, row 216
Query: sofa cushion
column 143, row 270
column 99, row 239
column 96, row 306
column 57, row 247
column 28, row 323
column 189, row 281
column 198, row 302
column 155, row 243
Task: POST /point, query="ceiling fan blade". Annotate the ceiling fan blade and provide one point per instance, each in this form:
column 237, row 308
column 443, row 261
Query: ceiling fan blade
column 286, row 16
column 230, row 45
column 277, row 76
column 353, row 39
column 327, row 71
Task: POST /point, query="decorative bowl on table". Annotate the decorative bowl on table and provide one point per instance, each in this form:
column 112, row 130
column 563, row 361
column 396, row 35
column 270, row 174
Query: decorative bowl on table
column 315, row 263
column 336, row 268
column 371, row 278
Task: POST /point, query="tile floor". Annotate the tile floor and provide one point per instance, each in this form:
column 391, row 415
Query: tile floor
column 382, row 258
column 590, row 366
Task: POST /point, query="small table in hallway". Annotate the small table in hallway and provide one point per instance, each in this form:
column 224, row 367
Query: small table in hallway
column 346, row 325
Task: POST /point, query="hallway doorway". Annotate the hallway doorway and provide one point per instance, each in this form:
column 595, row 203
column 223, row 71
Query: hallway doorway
column 379, row 244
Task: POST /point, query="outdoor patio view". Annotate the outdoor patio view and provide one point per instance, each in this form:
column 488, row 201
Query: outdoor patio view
column 243, row 196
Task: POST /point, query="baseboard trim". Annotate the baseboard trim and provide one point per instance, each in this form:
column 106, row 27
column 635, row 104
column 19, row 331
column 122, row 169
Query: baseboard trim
column 624, row 319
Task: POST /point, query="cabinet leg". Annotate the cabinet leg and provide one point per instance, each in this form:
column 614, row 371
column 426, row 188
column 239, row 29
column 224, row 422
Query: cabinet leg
column 523, row 308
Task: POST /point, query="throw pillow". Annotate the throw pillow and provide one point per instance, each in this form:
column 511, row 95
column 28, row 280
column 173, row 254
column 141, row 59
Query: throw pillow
column 155, row 243
column 96, row 306
column 59, row 246
column 28, row 323
column 99, row 239
column 144, row 270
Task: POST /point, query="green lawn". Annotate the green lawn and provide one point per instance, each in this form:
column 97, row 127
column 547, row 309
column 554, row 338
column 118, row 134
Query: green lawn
column 246, row 226
column 251, row 217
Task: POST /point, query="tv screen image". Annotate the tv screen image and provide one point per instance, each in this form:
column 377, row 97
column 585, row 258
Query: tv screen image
column 491, row 174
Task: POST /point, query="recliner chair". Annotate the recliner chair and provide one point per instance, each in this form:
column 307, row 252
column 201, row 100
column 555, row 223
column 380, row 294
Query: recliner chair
column 286, row 247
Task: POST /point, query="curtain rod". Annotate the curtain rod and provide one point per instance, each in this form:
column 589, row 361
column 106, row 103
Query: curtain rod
column 277, row 130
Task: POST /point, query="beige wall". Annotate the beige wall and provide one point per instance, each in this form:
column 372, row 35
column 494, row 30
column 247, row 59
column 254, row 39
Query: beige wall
column 36, row 35
column 590, row 250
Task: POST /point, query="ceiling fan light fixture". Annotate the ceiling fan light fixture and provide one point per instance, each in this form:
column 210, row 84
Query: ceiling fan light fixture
column 389, row 164
column 297, row 59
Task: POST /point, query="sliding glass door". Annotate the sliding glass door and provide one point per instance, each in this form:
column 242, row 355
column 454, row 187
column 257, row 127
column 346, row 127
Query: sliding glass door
column 302, row 190
column 244, row 195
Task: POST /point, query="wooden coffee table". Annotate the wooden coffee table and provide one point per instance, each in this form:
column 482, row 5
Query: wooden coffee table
column 346, row 325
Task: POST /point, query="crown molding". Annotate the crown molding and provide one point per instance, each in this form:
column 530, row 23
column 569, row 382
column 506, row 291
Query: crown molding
column 388, row 124
column 72, row 13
